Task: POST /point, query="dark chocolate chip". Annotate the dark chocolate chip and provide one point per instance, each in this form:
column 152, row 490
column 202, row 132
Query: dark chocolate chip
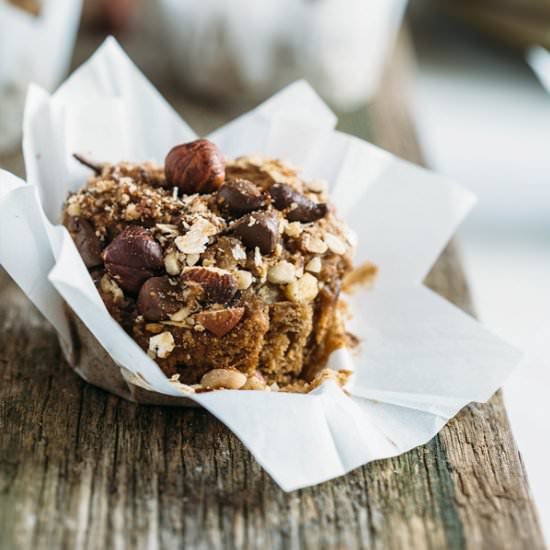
column 133, row 257
column 86, row 241
column 259, row 229
column 241, row 196
column 219, row 286
column 158, row 298
column 300, row 208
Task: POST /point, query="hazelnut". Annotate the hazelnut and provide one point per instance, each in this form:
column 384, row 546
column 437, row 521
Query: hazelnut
column 241, row 196
column 196, row 167
column 260, row 229
column 133, row 257
column 219, row 285
column 158, row 298
column 299, row 207
column 86, row 241
column 221, row 321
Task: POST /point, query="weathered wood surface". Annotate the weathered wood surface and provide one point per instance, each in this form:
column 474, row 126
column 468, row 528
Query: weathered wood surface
column 83, row 469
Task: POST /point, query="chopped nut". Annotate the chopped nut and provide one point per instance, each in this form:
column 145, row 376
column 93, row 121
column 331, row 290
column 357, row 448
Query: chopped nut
column 131, row 213
column 192, row 259
column 304, row 289
column 238, row 252
column 335, row 244
column 314, row 244
column 73, row 209
column 244, row 279
column 161, row 345
column 167, row 229
column 282, row 272
column 180, row 315
column 255, row 382
column 294, row 229
column 257, row 257
column 230, row 379
column 314, row 265
column 171, row 264
column 196, row 239
column 109, row 286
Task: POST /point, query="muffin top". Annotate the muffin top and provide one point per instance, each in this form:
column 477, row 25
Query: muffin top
column 238, row 228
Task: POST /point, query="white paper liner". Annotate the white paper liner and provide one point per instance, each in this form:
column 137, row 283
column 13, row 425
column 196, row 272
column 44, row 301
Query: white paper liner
column 420, row 360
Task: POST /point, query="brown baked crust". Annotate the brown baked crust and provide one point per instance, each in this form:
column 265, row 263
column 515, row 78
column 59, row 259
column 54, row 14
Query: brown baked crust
column 289, row 293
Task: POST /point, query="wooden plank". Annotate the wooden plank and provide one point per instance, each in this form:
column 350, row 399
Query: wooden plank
column 83, row 469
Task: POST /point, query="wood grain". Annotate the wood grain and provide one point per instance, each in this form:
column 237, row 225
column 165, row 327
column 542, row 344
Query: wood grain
column 80, row 468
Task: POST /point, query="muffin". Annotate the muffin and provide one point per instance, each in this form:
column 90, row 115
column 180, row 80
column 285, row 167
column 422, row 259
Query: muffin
column 226, row 272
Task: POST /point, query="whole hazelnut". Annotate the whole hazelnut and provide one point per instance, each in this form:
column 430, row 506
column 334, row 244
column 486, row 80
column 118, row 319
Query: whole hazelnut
column 133, row 257
column 195, row 167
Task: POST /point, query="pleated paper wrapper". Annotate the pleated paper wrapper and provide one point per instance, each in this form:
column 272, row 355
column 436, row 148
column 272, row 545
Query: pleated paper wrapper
column 420, row 359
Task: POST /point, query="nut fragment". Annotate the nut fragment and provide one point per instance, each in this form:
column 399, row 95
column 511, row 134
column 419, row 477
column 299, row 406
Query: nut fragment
column 195, row 167
column 259, row 229
column 293, row 229
column 221, row 321
column 171, row 264
column 282, row 272
column 314, row 265
column 196, row 239
column 255, row 382
column 161, row 345
column 241, row 196
column 86, row 241
column 230, row 379
column 335, row 244
column 314, row 244
column 133, row 257
column 303, row 290
column 158, row 298
column 244, row 279
column 219, row 285
column 109, row 286
column 300, row 208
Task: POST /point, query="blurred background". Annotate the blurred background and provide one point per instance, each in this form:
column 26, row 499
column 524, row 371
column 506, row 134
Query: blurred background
column 477, row 90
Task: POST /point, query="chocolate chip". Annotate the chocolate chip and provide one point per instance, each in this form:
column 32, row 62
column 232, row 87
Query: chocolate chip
column 241, row 196
column 86, row 241
column 300, row 208
column 158, row 298
column 219, row 286
column 259, row 229
column 133, row 257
